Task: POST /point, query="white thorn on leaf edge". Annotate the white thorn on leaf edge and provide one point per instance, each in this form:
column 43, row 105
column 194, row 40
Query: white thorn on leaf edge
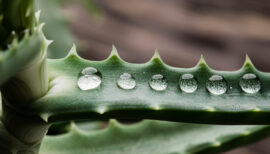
column 101, row 110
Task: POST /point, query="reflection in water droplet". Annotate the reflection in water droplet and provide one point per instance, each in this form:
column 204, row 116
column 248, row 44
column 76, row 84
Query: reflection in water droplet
column 90, row 79
column 158, row 82
column 216, row 85
column 126, row 81
column 188, row 83
column 249, row 83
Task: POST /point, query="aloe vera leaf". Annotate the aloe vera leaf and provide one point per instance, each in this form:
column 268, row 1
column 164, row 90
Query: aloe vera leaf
column 17, row 57
column 65, row 100
column 28, row 83
column 64, row 127
column 10, row 144
column 56, row 28
column 153, row 137
column 18, row 15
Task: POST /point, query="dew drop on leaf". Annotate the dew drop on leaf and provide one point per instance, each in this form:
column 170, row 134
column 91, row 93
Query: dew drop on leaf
column 89, row 71
column 188, row 83
column 158, row 82
column 90, row 78
column 249, row 83
column 216, row 85
column 126, row 81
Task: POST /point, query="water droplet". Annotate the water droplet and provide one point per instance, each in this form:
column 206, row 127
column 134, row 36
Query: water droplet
column 158, row 82
column 188, row 83
column 89, row 71
column 90, row 79
column 126, row 81
column 249, row 83
column 216, row 85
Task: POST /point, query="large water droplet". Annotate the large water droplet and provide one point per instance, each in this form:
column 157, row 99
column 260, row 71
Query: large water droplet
column 126, row 81
column 249, row 83
column 158, row 82
column 90, row 78
column 188, row 83
column 216, row 85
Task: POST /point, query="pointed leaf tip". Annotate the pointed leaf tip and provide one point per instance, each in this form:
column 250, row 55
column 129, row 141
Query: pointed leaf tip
column 113, row 123
column 114, row 53
column 45, row 117
column 73, row 51
column 39, row 27
column 73, row 125
column 37, row 15
column 114, row 50
column 156, row 54
column 48, row 42
column 156, row 57
column 202, row 62
column 248, row 62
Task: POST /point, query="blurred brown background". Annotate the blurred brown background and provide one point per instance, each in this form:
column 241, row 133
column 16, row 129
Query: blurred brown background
column 182, row 30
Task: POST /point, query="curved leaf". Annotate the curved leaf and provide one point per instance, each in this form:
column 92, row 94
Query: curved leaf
column 65, row 100
column 15, row 17
column 19, row 56
column 154, row 137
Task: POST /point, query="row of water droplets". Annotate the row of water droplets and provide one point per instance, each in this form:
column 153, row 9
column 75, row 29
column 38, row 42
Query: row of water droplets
column 90, row 78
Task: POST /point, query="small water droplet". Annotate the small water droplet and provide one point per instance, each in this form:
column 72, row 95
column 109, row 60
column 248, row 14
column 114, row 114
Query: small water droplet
column 216, row 85
column 126, row 81
column 158, row 82
column 90, row 79
column 249, row 83
column 89, row 71
column 188, row 83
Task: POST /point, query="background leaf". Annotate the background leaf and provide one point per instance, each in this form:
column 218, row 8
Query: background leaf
column 153, row 137
column 56, row 29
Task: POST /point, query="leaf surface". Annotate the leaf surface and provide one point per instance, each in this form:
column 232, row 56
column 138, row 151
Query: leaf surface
column 66, row 101
column 19, row 56
column 153, row 137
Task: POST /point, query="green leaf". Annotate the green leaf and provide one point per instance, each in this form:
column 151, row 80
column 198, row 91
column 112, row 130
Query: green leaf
column 18, row 56
column 153, row 137
column 8, row 143
column 16, row 16
column 22, row 15
column 65, row 100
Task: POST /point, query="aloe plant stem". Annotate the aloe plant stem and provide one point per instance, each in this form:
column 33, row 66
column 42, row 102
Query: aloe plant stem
column 31, row 81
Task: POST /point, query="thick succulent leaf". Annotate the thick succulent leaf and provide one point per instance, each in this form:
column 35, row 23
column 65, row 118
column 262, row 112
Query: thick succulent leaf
column 56, row 28
column 16, row 21
column 21, row 17
column 18, row 56
column 153, row 137
column 9, row 144
column 65, row 100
